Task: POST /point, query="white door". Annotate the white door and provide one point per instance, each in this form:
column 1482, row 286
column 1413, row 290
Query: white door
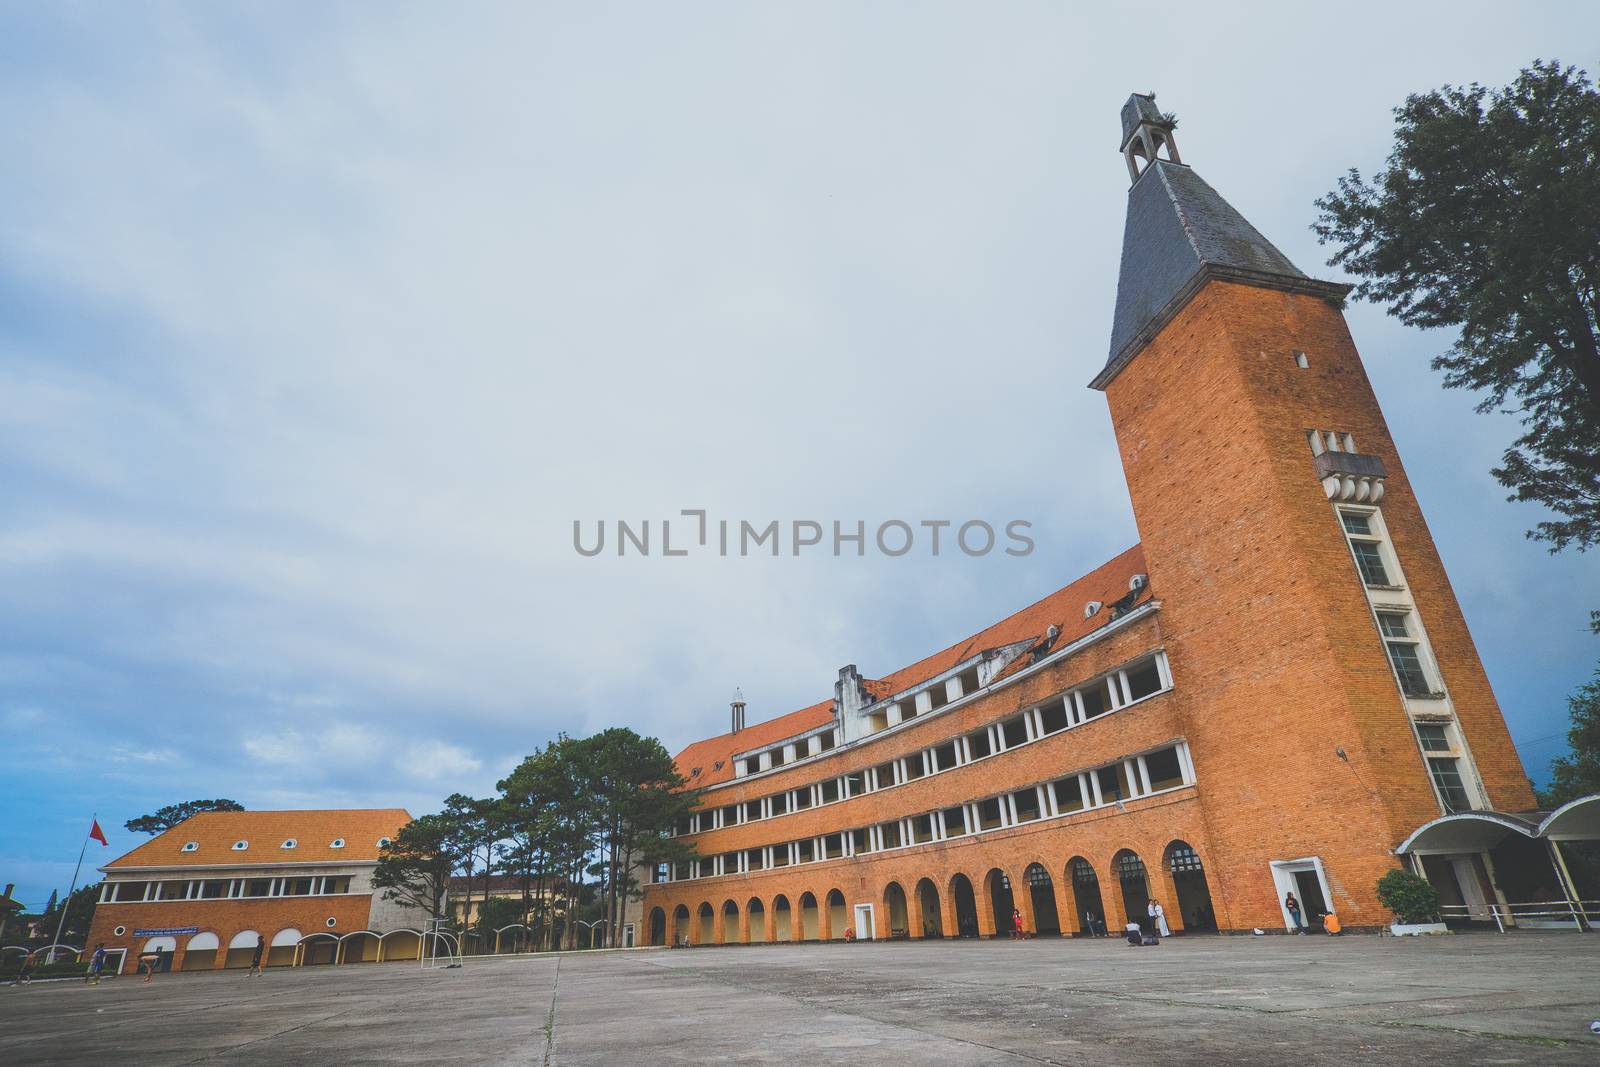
column 1283, row 872
column 1471, row 889
column 864, row 924
column 627, row 935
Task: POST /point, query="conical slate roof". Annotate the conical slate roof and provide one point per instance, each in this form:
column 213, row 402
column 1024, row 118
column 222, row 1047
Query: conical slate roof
column 1179, row 234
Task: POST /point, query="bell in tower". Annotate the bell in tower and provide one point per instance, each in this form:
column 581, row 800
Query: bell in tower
column 1145, row 131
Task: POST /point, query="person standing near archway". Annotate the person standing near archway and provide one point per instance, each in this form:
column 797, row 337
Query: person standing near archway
column 1296, row 914
column 1158, row 916
column 255, row 957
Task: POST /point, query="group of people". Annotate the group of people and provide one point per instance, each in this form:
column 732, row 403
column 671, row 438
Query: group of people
column 30, row 963
column 1297, row 915
column 150, row 962
column 1155, row 914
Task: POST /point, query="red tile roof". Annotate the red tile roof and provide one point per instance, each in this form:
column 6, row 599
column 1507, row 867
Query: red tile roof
column 1107, row 583
column 313, row 832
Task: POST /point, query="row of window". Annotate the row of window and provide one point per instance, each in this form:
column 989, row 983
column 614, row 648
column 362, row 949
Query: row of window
column 921, row 702
column 1128, row 779
column 243, row 845
column 1378, row 571
column 1143, row 678
column 224, row 888
column 1406, row 647
column 1444, row 765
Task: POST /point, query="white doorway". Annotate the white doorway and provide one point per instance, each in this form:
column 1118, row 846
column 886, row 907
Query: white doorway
column 1306, row 879
column 1466, row 872
column 864, row 922
column 627, row 935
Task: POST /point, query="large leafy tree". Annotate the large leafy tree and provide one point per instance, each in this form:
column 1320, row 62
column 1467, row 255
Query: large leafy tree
column 639, row 797
column 536, row 803
column 414, row 868
column 166, row 818
column 599, row 805
column 1486, row 220
column 1578, row 773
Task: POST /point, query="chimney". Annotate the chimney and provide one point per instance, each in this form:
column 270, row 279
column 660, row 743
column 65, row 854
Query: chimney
column 738, row 710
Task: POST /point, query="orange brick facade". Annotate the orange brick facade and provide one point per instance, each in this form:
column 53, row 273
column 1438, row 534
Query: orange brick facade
column 225, row 919
column 1272, row 642
column 1304, row 755
column 302, row 880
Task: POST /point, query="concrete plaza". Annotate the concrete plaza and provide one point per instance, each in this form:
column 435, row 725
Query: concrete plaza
column 1481, row 998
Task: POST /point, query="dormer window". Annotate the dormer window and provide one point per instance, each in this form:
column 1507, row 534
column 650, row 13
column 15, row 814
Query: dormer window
column 383, row 842
column 190, row 846
column 240, row 846
column 337, row 842
column 290, row 843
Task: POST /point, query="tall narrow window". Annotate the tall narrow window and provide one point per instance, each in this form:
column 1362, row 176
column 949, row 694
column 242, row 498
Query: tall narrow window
column 1446, row 772
column 1434, row 738
column 1365, row 544
column 1403, row 654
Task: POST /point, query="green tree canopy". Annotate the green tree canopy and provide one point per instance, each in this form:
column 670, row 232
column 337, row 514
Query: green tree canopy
column 166, row 818
column 1578, row 774
column 1486, row 220
column 414, row 868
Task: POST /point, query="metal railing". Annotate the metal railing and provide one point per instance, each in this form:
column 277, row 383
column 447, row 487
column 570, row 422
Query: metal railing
column 1578, row 913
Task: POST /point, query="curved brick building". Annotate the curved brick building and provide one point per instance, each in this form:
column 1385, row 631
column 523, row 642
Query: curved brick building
column 1271, row 692
column 203, row 892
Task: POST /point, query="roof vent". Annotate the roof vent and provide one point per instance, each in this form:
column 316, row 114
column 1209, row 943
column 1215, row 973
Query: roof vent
column 337, row 842
column 1138, row 581
column 240, row 846
column 1091, row 608
column 738, row 710
column 190, row 846
column 290, row 843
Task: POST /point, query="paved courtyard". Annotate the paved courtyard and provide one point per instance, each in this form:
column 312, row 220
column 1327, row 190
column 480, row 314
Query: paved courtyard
column 1489, row 999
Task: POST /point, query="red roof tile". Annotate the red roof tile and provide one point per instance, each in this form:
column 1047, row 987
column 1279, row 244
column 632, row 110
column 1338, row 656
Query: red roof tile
column 313, row 831
column 1107, row 583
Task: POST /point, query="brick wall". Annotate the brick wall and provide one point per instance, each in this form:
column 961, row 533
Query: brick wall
column 225, row 918
column 1276, row 659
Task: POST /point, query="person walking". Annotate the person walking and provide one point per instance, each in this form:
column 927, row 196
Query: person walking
column 97, row 963
column 149, row 960
column 1295, row 915
column 25, row 975
column 1016, row 925
column 255, row 957
column 1159, row 915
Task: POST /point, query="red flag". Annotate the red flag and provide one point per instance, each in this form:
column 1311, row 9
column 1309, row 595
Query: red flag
column 97, row 833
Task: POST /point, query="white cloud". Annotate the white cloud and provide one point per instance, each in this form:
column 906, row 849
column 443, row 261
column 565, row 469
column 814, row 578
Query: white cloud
column 361, row 752
column 315, row 343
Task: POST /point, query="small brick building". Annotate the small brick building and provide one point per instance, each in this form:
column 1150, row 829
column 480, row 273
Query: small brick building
column 1269, row 694
column 205, row 890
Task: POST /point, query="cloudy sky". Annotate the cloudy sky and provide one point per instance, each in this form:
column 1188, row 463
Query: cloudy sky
column 319, row 327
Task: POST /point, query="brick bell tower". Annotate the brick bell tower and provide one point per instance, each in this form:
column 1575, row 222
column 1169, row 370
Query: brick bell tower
column 1332, row 696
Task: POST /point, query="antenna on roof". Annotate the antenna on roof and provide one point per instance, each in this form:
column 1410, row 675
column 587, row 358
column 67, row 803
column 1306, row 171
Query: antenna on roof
column 738, row 710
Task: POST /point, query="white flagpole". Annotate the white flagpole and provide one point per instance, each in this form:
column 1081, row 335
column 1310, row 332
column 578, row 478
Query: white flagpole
column 62, row 924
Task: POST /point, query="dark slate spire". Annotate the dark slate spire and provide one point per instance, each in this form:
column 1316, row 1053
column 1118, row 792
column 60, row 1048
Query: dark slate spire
column 1180, row 234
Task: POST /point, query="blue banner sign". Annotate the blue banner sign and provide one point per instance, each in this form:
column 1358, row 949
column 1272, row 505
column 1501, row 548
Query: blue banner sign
column 167, row 931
